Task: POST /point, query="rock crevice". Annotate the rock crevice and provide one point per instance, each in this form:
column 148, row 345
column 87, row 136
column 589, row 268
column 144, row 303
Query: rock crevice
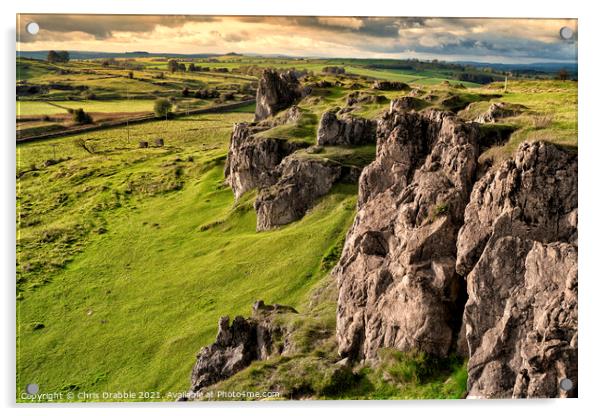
column 397, row 282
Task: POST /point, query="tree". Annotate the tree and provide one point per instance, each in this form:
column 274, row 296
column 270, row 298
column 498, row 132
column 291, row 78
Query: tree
column 52, row 57
column 61, row 56
column 172, row 65
column 162, row 107
column 191, row 67
column 64, row 56
column 563, row 75
column 185, row 92
column 131, row 75
column 81, row 117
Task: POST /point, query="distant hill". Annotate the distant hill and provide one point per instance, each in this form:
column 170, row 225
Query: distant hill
column 546, row 67
column 97, row 55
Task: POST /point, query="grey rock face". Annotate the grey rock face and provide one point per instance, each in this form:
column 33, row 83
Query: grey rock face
column 301, row 182
column 347, row 130
column 533, row 196
column 238, row 344
column 406, row 104
column 397, row 282
column 276, row 91
column 518, row 248
column 252, row 160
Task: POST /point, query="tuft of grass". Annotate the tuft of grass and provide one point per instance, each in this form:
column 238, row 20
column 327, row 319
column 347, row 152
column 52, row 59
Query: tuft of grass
column 542, row 121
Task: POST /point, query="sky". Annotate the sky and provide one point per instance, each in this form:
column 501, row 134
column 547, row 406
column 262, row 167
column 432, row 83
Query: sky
column 450, row 39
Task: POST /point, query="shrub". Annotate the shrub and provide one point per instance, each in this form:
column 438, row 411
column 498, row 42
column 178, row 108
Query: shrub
column 162, row 107
column 81, row 117
column 225, row 96
column 440, row 209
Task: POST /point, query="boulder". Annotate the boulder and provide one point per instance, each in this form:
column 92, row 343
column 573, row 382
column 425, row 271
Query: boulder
column 406, row 104
column 276, row 91
column 359, row 97
column 238, row 344
column 396, row 277
column 518, row 251
column 252, row 160
column 347, row 130
column 302, row 180
column 390, row 86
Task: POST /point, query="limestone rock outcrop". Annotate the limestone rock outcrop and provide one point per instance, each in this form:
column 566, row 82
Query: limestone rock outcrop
column 252, row 160
column 407, row 103
column 347, row 130
column 238, row 344
column 302, row 180
column 276, row 91
column 397, row 282
column 518, row 249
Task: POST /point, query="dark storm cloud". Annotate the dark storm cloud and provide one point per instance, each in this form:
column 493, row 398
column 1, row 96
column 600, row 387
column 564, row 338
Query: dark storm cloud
column 101, row 26
column 362, row 36
column 372, row 26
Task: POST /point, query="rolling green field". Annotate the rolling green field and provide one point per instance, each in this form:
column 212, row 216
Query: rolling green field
column 175, row 253
column 28, row 108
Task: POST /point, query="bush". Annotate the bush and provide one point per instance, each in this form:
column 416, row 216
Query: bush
column 84, row 145
column 162, row 107
column 225, row 96
column 81, row 117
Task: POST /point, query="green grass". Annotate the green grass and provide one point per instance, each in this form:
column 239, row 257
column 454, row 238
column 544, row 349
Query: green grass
column 28, row 108
column 359, row 156
column 138, row 279
column 555, row 99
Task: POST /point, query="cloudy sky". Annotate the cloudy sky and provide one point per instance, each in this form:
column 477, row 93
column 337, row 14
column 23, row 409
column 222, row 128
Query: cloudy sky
column 452, row 39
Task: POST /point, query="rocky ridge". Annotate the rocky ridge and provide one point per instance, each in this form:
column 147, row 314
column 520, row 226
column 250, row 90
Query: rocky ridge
column 444, row 256
column 397, row 282
column 521, row 316
column 288, row 183
column 276, row 91
column 424, row 229
column 239, row 343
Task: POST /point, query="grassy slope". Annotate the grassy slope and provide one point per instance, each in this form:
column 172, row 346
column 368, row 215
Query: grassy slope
column 131, row 311
column 555, row 102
